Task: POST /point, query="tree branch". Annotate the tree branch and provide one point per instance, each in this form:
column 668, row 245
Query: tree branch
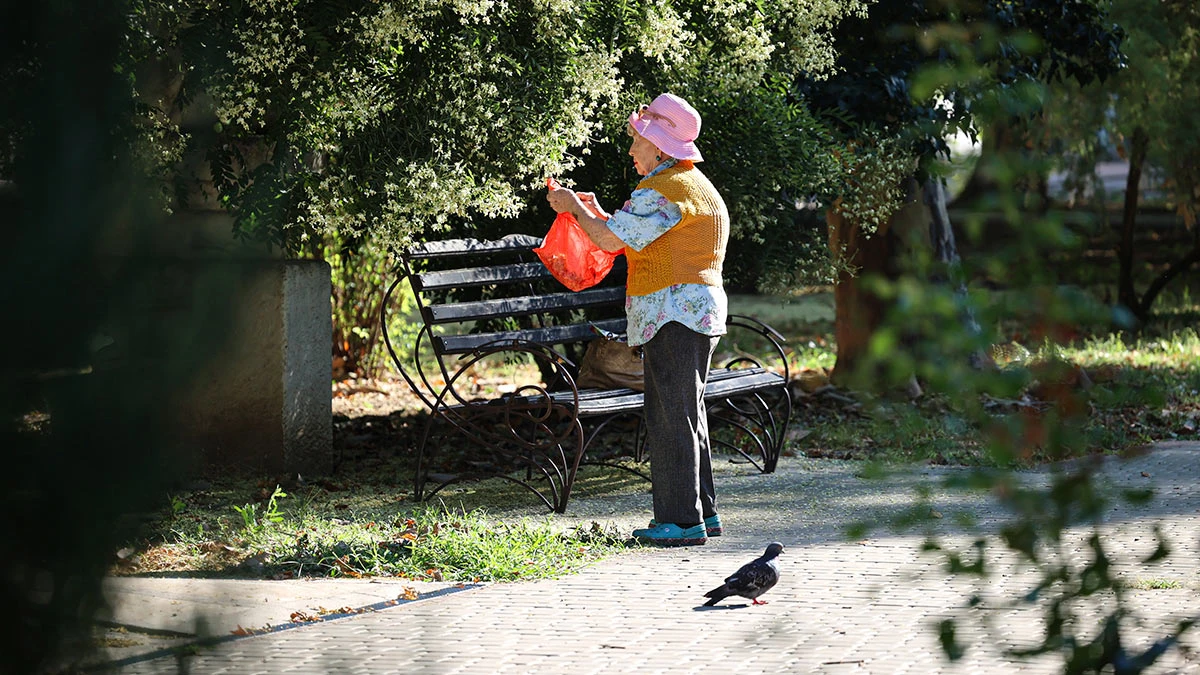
column 1192, row 257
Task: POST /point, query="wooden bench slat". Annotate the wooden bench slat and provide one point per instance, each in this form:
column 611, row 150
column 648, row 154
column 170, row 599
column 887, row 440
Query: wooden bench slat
column 524, row 305
column 553, row 335
column 726, row 383
column 451, row 247
column 478, row 276
column 612, row 404
column 722, row 384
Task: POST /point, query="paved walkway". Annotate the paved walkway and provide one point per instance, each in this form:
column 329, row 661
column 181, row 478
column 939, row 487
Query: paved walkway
column 864, row 606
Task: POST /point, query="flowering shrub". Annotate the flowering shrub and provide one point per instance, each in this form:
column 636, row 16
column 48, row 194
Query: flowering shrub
column 408, row 119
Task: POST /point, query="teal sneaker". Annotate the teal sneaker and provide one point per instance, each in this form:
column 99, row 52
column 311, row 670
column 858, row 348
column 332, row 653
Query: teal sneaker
column 669, row 534
column 712, row 525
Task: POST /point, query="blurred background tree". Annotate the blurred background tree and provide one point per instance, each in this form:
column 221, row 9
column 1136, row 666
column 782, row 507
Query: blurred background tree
column 917, row 73
column 1146, row 115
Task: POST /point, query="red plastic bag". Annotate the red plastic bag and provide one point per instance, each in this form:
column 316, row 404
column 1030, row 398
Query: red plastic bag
column 569, row 253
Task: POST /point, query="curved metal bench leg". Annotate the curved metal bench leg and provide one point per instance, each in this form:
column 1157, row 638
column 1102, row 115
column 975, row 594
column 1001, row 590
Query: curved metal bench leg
column 419, row 477
column 569, row 482
column 556, row 464
column 781, row 434
column 759, row 420
column 638, row 453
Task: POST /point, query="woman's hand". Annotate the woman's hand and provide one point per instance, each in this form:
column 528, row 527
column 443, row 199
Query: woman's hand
column 588, row 213
column 564, row 200
column 588, row 200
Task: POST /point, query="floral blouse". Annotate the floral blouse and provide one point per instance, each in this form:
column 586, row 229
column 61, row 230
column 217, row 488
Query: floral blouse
column 702, row 308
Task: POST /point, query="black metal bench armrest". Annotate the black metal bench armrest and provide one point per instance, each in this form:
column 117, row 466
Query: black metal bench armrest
column 776, row 339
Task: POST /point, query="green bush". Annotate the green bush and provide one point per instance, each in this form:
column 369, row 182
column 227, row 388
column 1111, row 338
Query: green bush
column 360, row 274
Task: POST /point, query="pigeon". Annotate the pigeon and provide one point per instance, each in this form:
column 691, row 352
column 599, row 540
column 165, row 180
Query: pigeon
column 752, row 580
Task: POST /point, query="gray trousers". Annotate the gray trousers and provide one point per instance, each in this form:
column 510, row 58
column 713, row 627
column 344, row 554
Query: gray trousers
column 676, row 364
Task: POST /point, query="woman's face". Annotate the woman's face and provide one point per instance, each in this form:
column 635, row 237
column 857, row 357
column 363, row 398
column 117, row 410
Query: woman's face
column 644, row 154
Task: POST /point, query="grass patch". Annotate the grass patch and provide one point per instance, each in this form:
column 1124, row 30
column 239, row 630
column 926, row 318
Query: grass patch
column 1153, row 584
column 355, row 532
column 1138, row 389
column 805, row 319
column 894, row 432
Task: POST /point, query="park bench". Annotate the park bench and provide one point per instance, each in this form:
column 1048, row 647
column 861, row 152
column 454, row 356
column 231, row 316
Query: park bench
column 494, row 302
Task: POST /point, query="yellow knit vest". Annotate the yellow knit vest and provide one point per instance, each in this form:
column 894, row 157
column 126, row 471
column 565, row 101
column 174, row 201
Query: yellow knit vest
column 691, row 252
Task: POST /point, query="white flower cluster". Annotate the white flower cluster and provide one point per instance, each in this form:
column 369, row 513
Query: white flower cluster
column 876, row 166
column 803, row 31
column 269, row 50
column 662, row 34
column 733, row 45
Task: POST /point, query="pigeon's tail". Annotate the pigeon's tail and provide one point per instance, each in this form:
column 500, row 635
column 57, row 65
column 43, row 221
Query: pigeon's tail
column 717, row 594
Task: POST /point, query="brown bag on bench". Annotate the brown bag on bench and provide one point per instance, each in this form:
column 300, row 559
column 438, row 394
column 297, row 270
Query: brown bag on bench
column 611, row 364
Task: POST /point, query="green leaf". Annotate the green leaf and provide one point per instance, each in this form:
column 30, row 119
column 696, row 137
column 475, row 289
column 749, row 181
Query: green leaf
column 1161, row 551
column 1138, row 496
column 949, row 641
column 857, row 530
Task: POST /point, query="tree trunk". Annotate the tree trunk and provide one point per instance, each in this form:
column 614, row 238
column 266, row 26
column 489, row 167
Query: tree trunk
column 859, row 312
column 941, row 234
column 998, row 140
column 923, row 222
column 945, row 248
column 1126, row 295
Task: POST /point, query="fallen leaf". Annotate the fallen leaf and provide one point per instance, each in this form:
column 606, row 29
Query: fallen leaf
column 343, row 564
column 410, row 593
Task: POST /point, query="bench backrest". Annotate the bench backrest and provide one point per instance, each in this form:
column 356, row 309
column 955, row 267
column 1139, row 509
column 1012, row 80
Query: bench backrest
column 475, row 295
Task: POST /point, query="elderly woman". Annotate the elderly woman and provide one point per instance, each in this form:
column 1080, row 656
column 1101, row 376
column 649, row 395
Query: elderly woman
column 674, row 230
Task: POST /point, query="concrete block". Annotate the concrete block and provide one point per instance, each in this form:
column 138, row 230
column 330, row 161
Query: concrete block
column 262, row 401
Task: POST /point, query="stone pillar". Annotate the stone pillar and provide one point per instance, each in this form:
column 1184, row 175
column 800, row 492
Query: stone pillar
column 307, row 332
column 262, row 401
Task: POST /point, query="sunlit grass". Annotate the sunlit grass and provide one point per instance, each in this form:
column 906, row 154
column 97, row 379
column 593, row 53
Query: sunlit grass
column 362, row 534
column 816, row 353
column 1179, row 351
column 1139, row 389
column 1153, row 584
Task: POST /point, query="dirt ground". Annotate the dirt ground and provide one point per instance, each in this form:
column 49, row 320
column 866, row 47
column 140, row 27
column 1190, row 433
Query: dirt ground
column 384, row 396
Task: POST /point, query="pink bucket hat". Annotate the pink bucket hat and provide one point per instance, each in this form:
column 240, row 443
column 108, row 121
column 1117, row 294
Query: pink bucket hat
column 671, row 124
